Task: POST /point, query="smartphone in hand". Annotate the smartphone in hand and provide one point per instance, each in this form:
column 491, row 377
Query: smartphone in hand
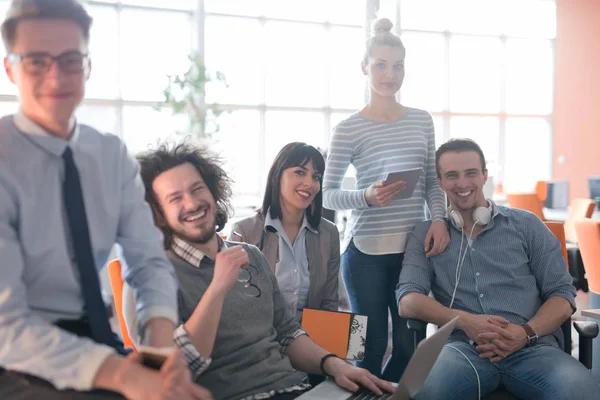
column 154, row 357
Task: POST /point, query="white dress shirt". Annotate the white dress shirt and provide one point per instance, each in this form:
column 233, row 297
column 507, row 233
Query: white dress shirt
column 291, row 269
column 39, row 282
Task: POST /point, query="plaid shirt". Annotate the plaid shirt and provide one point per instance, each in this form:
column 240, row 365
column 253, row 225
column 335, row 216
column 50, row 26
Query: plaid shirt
column 196, row 362
column 199, row 364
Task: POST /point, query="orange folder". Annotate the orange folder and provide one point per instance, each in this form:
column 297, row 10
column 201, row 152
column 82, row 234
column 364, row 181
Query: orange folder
column 340, row 333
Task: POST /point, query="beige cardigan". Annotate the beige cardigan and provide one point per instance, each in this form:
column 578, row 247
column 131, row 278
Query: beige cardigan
column 323, row 256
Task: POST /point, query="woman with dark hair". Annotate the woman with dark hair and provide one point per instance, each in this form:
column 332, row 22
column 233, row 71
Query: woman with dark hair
column 302, row 248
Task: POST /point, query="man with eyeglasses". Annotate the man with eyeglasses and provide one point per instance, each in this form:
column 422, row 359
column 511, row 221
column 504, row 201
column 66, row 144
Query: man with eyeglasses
column 247, row 344
column 67, row 195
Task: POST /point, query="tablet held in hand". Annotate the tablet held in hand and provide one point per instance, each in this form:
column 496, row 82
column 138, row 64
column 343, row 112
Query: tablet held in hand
column 409, row 176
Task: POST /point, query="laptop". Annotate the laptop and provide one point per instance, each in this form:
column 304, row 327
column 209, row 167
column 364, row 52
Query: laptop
column 412, row 379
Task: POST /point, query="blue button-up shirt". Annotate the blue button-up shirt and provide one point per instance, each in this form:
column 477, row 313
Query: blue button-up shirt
column 291, row 269
column 511, row 268
column 39, row 280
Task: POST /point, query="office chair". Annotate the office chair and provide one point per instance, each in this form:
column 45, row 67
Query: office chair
column 116, row 283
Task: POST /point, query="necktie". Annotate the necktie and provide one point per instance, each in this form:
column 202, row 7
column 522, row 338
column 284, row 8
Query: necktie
column 90, row 283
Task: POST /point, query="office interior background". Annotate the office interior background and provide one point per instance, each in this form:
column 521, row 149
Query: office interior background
column 518, row 76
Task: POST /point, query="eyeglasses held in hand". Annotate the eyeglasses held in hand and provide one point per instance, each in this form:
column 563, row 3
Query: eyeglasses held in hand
column 245, row 278
column 38, row 63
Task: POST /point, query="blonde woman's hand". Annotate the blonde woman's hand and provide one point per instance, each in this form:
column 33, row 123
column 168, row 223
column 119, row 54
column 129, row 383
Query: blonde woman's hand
column 381, row 194
column 437, row 238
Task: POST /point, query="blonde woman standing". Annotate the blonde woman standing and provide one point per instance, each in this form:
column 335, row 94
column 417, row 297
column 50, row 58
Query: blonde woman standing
column 385, row 136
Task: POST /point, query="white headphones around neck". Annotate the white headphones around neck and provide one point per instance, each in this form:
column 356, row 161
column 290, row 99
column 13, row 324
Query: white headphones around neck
column 481, row 216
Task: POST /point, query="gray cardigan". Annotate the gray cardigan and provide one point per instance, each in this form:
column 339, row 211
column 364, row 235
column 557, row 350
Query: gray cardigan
column 323, row 256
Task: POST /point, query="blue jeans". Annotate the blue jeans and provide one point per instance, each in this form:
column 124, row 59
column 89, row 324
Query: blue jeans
column 371, row 284
column 537, row 372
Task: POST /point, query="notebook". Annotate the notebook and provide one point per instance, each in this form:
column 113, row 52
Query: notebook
column 338, row 332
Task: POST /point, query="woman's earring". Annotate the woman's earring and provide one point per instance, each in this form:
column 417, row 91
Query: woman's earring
column 312, row 208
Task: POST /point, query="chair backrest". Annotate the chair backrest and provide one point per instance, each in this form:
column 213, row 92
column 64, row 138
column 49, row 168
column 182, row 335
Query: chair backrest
column 541, row 190
column 116, row 283
column 588, row 233
column 558, row 229
column 580, row 208
column 526, row 201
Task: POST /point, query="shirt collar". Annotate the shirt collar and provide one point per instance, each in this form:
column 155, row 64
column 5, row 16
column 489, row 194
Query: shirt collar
column 191, row 254
column 275, row 223
column 495, row 209
column 42, row 138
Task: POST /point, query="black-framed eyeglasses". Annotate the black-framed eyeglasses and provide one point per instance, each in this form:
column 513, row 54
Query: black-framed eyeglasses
column 245, row 278
column 38, row 63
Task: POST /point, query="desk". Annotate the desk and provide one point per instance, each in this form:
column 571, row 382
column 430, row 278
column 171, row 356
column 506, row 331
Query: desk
column 595, row 313
column 557, row 214
column 551, row 214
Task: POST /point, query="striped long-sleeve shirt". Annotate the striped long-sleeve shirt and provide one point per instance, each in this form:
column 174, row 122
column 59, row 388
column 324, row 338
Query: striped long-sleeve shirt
column 375, row 149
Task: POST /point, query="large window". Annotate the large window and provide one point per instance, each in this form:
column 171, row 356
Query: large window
column 134, row 45
column 293, row 69
column 485, row 70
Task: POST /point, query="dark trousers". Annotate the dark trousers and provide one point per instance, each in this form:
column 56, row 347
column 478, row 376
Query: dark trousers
column 371, row 284
column 18, row 386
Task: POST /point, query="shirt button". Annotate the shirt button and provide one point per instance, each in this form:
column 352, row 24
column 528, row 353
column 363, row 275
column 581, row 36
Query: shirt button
column 472, row 249
column 477, row 274
column 481, row 295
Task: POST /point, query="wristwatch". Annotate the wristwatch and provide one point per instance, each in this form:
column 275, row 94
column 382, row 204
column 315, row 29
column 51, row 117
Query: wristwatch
column 532, row 337
column 323, row 359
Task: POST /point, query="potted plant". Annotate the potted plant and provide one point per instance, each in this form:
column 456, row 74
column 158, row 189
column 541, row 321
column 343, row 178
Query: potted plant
column 185, row 94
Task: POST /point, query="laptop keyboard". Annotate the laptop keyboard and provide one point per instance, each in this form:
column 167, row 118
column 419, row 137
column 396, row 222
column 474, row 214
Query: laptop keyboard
column 366, row 394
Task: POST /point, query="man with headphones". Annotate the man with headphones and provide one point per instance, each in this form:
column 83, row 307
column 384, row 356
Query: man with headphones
column 504, row 275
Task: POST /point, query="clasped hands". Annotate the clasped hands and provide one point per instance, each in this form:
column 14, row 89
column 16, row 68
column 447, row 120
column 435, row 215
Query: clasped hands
column 495, row 336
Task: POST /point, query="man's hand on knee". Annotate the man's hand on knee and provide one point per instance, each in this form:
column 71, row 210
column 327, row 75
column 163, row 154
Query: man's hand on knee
column 502, row 342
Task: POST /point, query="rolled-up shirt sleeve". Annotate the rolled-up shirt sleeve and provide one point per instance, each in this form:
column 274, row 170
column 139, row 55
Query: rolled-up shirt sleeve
column 146, row 268
column 288, row 339
column 196, row 362
column 28, row 343
column 416, row 274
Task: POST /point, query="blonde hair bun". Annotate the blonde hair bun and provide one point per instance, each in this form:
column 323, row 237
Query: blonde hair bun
column 381, row 25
